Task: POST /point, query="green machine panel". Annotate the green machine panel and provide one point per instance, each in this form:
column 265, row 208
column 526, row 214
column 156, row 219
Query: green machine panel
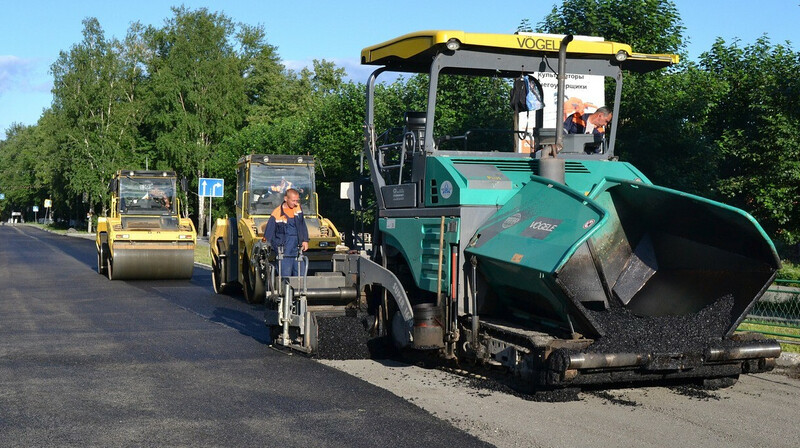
column 417, row 239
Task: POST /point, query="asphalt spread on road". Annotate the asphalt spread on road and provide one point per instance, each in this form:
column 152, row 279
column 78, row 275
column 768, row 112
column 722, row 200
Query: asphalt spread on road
column 85, row 361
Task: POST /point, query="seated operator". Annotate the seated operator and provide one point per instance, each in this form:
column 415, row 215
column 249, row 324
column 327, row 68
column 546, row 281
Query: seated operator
column 282, row 186
column 594, row 123
column 286, row 228
column 155, row 197
column 159, row 198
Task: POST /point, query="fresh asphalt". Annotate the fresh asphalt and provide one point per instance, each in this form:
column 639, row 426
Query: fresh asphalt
column 85, row 361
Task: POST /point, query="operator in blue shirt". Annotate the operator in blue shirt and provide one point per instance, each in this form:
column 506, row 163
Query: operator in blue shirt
column 286, row 228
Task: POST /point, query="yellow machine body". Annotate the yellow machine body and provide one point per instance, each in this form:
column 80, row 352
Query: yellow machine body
column 236, row 243
column 145, row 237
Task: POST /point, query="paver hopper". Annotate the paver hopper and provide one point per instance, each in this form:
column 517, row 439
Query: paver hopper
column 659, row 279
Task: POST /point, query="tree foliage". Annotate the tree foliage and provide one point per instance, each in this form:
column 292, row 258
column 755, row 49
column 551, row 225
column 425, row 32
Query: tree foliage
column 200, row 91
column 95, row 111
column 753, row 130
column 649, row 26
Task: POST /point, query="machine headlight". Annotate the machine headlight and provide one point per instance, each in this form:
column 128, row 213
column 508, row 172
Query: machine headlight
column 324, row 244
column 621, row 55
column 453, row 44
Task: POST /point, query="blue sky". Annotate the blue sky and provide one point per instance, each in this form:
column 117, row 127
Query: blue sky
column 34, row 31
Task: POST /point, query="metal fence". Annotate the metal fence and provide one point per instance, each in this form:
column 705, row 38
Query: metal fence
column 777, row 313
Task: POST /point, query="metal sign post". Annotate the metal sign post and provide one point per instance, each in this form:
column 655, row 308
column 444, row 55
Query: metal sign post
column 35, row 214
column 48, row 204
column 211, row 188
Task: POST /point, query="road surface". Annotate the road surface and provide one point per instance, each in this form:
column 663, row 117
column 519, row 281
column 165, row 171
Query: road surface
column 89, row 362
column 85, row 361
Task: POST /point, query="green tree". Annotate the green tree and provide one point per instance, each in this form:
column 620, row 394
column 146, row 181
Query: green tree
column 753, row 130
column 663, row 128
column 649, row 26
column 20, row 179
column 328, row 126
column 95, row 111
column 196, row 92
column 272, row 91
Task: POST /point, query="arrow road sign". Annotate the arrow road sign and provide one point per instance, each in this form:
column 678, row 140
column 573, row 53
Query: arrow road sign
column 210, row 187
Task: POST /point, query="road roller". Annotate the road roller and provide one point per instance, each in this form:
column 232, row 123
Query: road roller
column 239, row 253
column 145, row 237
column 531, row 250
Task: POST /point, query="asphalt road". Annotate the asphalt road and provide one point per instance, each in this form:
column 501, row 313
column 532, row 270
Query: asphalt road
column 89, row 362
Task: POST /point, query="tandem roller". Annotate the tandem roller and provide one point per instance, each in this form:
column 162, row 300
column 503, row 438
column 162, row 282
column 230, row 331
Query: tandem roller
column 145, row 237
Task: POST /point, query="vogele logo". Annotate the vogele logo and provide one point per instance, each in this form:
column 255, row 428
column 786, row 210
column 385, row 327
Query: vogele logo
column 512, row 220
column 446, row 189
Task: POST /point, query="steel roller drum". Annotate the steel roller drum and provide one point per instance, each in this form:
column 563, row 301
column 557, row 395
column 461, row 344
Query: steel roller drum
column 152, row 261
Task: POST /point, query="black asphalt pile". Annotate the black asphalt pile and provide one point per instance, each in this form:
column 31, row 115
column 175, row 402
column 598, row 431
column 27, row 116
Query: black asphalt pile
column 626, row 332
column 342, row 337
column 615, row 400
column 485, row 385
column 698, row 393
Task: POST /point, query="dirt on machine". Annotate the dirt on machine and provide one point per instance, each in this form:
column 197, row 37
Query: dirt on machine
column 145, row 237
column 240, row 254
column 530, row 250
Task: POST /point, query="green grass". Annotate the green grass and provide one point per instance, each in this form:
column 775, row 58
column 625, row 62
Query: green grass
column 48, row 227
column 201, row 254
column 789, row 271
column 780, row 332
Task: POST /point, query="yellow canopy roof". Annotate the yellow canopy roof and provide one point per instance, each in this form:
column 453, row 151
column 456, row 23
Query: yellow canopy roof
column 416, row 48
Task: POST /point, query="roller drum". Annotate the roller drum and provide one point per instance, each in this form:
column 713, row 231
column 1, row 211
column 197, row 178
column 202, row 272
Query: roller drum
column 156, row 261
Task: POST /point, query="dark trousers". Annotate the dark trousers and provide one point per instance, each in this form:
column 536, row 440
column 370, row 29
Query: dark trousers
column 289, row 266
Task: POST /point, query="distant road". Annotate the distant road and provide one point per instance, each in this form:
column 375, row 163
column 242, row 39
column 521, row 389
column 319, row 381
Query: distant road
column 88, row 362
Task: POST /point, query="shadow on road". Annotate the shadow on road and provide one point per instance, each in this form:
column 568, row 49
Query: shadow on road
column 244, row 323
column 79, row 248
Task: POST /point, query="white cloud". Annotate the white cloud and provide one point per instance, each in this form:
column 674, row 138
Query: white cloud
column 16, row 74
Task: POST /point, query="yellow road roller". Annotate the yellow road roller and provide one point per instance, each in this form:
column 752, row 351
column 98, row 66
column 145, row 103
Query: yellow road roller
column 145, row 237
column 239, row 253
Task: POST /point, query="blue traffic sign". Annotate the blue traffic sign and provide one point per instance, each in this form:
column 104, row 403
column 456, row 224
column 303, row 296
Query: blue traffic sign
column 210, row 187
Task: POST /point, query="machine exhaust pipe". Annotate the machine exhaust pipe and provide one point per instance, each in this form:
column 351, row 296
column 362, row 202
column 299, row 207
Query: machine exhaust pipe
column 562, row 80
column 550, row 166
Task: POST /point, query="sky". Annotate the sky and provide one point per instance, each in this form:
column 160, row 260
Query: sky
column 33, row 32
